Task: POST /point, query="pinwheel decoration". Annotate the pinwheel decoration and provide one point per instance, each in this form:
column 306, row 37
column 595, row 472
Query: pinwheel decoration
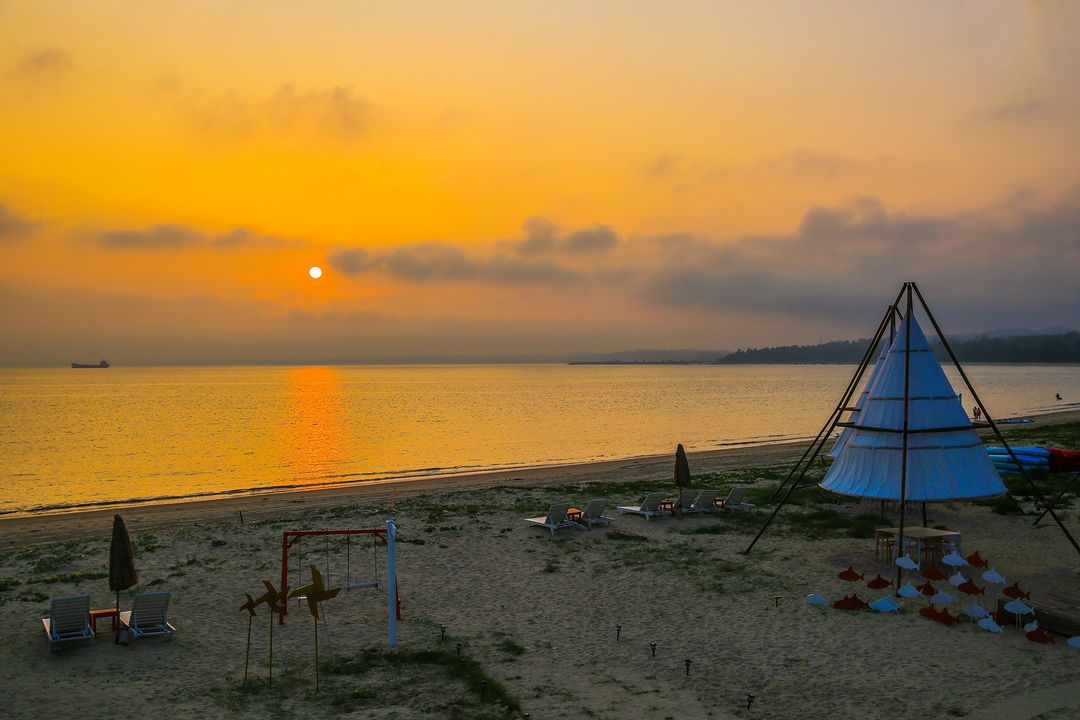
column 315, row 592
column 272, row 599
column 250, row 606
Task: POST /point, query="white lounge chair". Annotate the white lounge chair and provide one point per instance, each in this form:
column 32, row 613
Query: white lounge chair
column 593, row 514
column 149, row 615
column 736, row 500
column 555, row 520
column 650, row 506
column 69, row 619
column 705, row 502
column 686, row 500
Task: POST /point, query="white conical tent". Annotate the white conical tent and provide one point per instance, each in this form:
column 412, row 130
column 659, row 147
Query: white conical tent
column 842, row 439
column 943, row 464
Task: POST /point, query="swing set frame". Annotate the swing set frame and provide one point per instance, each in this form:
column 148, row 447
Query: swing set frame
column 291, row 537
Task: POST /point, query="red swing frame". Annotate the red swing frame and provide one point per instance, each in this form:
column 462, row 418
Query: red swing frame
column 289, row 538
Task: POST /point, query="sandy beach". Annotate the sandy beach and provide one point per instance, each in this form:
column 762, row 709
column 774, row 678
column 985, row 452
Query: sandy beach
column 540, row 617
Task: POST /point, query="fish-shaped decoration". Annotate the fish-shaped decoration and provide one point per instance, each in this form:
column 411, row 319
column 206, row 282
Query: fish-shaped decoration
column 927, row 588
column 957, row 579
column 1017, row 607
column 929, row 612
column 993, row 577
column 954, row 559
column 1014, row 592
column 851, row 602
column 909, row 591
column 1073, row 642
column 976, row 560
column 1040, row 636
column 945, row 617
column 975, row 611
column 989, row 625
column 885, row 604
column 878, row 583
column 1031, row 626
column 941, row 598
column 932, row 573
column 907, row 563
column 849, row 575
column 816, row 599
column 970, row 588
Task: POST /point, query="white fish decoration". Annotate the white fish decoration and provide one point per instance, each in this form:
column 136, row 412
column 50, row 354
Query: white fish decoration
column 976, row 611
column 1017, row 607
column 954, row 559
column 989, row 625
column 885, row 604
column 941, row 598
column 957, row 579
column 909, row 591
column 907, row 563
column 993, row 577
column 1034, row 624
column 1073, row 642
column 816, row 599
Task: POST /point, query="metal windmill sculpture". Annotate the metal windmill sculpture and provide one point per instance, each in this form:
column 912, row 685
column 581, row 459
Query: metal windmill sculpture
column 315, row 592
column 272, row 599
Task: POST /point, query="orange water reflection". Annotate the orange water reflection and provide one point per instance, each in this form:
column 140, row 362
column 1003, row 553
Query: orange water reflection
column 313, row 445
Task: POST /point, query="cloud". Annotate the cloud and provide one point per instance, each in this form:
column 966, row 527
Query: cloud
column 169, row 236
column 1019, row 111
column 438, row 261
column 983, row 266
column 542, row 238
column 336, row 114
column 12, row 226
column 158, row 237
column 44, row 64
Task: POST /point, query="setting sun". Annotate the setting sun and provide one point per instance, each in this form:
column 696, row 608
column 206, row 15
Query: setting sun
column 315, row 272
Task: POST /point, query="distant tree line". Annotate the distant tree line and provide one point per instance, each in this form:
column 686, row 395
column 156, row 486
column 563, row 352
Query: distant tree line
column 1060, row 348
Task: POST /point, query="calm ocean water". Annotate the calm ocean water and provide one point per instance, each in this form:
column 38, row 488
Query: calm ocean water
column 70, row 438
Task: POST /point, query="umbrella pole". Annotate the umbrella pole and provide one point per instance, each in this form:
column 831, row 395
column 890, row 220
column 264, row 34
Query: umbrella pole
column 116, row 622
column 904, row 451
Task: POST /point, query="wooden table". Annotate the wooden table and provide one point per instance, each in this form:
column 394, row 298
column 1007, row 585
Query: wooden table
column 105, row 612
column 923, row 536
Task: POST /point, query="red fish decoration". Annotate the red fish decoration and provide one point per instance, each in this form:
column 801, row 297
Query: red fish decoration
column 932, row 573
column 850, row 575
column 929, row 612
column 1003, row 618
column 852, row 602
column 927, row 588
column 1014, row 592
column 976, row 560
column 878, row 583
column 1039, row 635
column 970, row 588
column 945, row 618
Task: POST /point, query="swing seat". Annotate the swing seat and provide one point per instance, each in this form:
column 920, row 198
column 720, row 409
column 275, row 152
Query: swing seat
column 366, row 583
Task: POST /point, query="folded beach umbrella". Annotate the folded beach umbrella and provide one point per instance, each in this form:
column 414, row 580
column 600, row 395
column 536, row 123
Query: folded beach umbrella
column 682, row 468
column 122, row 574
column 946, row 459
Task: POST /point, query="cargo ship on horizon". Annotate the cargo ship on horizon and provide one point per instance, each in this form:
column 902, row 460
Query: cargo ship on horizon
column 101, row 364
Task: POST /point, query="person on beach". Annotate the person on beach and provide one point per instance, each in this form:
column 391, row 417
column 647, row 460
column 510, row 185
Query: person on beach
column 1057, row 396
column 976, row 413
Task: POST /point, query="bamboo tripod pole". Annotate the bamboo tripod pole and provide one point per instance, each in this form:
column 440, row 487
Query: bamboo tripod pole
column 270, row 682
column 316, row 653
column 247, row 651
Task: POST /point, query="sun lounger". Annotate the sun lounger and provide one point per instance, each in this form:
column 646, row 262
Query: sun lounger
column 69, row 619
column 556, row 519
column 650, row 506
column 705, row 502
column 593, row 514
column 736, row 500
column 686, row 500
column 149, row 615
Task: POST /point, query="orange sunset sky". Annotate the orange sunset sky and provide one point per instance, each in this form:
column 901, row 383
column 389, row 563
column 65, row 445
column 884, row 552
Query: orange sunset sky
column 518, row 178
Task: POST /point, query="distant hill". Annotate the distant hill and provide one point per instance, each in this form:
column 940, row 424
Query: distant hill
column 651, row 357
column 1051, row 348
